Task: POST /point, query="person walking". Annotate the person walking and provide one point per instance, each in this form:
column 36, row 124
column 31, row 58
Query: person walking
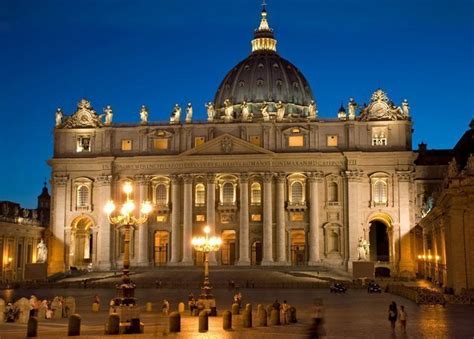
column 392, row 315
column 403, row 319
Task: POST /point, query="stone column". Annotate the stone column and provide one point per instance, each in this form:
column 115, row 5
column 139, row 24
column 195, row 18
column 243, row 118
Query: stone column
column 407, row 265
column 315, row 179
column 280, row 219
column 211, row 210
column 187, row 220
column 267, row 220
column 175, row 221
column 104, row 235
column 244, row 257
column 353, row 229
column 56, row 255
column 143, row 245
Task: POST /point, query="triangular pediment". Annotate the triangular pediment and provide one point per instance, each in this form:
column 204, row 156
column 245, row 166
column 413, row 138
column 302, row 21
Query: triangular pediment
column 226, row 144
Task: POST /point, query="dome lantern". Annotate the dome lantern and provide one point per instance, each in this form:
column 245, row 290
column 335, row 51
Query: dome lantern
column 264, row 40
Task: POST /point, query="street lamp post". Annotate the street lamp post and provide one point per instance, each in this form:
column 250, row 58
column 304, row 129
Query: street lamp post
column 126, row 219
column 206, row 245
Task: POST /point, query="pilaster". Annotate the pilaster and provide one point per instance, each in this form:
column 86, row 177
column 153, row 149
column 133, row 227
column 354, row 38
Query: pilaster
column 175, row 220
column 56, row 257
column 244, row 257
column 143, row 245
column 280, row 219
column 267, row 220
column 315, row 179
column 103, row 183
column 211, row 210
column 187, row 220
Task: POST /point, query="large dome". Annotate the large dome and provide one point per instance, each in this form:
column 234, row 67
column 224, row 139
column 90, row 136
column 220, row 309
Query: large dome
column 265, row 78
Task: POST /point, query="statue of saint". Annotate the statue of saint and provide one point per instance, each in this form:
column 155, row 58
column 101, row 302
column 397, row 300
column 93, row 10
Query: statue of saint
column 406, row 108
column 42, row 254
column 144, row 115
column 362, row 249
column 175, row 115
column 59, row 117
column 228, row 110
column 280, row 111
column 312, row 113
column 245, row 111
column 211, row 111
column 189, row 113
column 108, row 115
column 264, row 110
column 352, row 105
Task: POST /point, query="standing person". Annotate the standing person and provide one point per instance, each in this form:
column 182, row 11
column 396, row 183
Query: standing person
column 276, row 305
column 96, row 299
column 403, row 319
column 283, row 311
column 392, row 315
column 166, row 307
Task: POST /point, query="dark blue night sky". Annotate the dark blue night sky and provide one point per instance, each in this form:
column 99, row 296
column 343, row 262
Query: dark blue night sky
column 158, row 53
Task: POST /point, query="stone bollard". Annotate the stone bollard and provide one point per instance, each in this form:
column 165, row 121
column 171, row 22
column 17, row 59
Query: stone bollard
column 269, row 309
column 292, row 312
column 275, row 318
column 247, row 318
column 74, row 326
column 248, row 307
column 32, row 330
column 203, row 321
column 149, row 307
column 235, row 309
column 181, row 307
column 113, row 325
column 2, row 311
column 227, row 320
column 262, row 317
column 174, row 322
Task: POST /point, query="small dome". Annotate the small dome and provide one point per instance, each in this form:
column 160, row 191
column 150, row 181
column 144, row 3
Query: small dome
column 264, row 76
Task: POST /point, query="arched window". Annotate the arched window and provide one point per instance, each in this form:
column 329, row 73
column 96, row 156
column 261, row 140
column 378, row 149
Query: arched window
column 297, row 193
column 82, row 196
column 256, row 194
column 380, row 191
column 200, row 195
column 161, row 194
column 228, row 193
column 332, row 192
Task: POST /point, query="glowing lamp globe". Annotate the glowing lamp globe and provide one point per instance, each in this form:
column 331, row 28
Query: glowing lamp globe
column 109, row 207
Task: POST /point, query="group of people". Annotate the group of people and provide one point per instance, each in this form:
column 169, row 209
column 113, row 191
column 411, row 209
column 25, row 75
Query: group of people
column 237, row 299
column 395, row 314
column 283, row 309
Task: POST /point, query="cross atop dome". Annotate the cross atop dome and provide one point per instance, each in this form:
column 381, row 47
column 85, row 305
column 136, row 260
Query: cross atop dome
column 264, row 40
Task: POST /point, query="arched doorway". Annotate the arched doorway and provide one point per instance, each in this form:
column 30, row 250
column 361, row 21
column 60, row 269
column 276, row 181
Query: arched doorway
column 81, row 242
column 228, row 247
column 256, row 253
column 379, row 241
column 161, row 250
column 297, row 240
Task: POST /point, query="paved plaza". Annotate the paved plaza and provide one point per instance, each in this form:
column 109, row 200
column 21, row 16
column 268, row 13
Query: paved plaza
column 354, row 315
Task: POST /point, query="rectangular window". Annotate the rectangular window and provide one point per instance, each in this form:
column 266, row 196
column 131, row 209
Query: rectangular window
column 332, row 140
column 255, row 139
column 161, row 218
column 256, row 217
column 126, row 145
column 83, row 144
column 199, row 141
column 160, row 143
column 200, row 217
column 297, row 216
column 296, row 141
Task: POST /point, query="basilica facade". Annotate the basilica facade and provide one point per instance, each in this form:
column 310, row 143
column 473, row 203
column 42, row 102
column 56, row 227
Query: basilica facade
column 280, row 185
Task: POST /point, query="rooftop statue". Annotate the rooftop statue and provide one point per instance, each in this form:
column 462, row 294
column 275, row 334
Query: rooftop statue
column 144, row 115
column 406, row 108
column 312, row 113
column 352, row 106
column 228, row 110
column 264, row 111
column 211, row 111
column 245, row 113
column 59, row 117
column 189, row 113
column 175, row 115
column 280, row 111
column 108, row 115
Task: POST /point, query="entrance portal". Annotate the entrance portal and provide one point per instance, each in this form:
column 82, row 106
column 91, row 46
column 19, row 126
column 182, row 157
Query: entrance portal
column 161, row 248
column 80, row 248
column 379, row 241
column 297, row 239
column 228, row 247
column 257, row 253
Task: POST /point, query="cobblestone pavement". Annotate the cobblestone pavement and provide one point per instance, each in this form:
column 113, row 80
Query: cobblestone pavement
column 354, row 315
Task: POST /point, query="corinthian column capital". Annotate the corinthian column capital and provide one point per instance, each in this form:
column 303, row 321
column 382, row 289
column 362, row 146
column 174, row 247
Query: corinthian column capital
column 141, row 179
column 244, row 178
column 103, row 180
column 267, row 177
column 280, row 177
column 60, row 180
column 211, row 178
column 187, row 178
column 316, row 176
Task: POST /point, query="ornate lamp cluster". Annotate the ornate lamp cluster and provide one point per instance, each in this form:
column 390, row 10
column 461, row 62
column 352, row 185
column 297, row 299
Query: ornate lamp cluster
column 126, row 219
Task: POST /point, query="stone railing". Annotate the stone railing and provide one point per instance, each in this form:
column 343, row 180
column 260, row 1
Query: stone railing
column 422, row 296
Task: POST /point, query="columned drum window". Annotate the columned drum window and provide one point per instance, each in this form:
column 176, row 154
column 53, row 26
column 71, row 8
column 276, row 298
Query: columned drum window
column 200, row 195
column 297, row 196
column 161, row 195
column 380, row 191
column 228, row 193
column 256, row 194
column 82, row 196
